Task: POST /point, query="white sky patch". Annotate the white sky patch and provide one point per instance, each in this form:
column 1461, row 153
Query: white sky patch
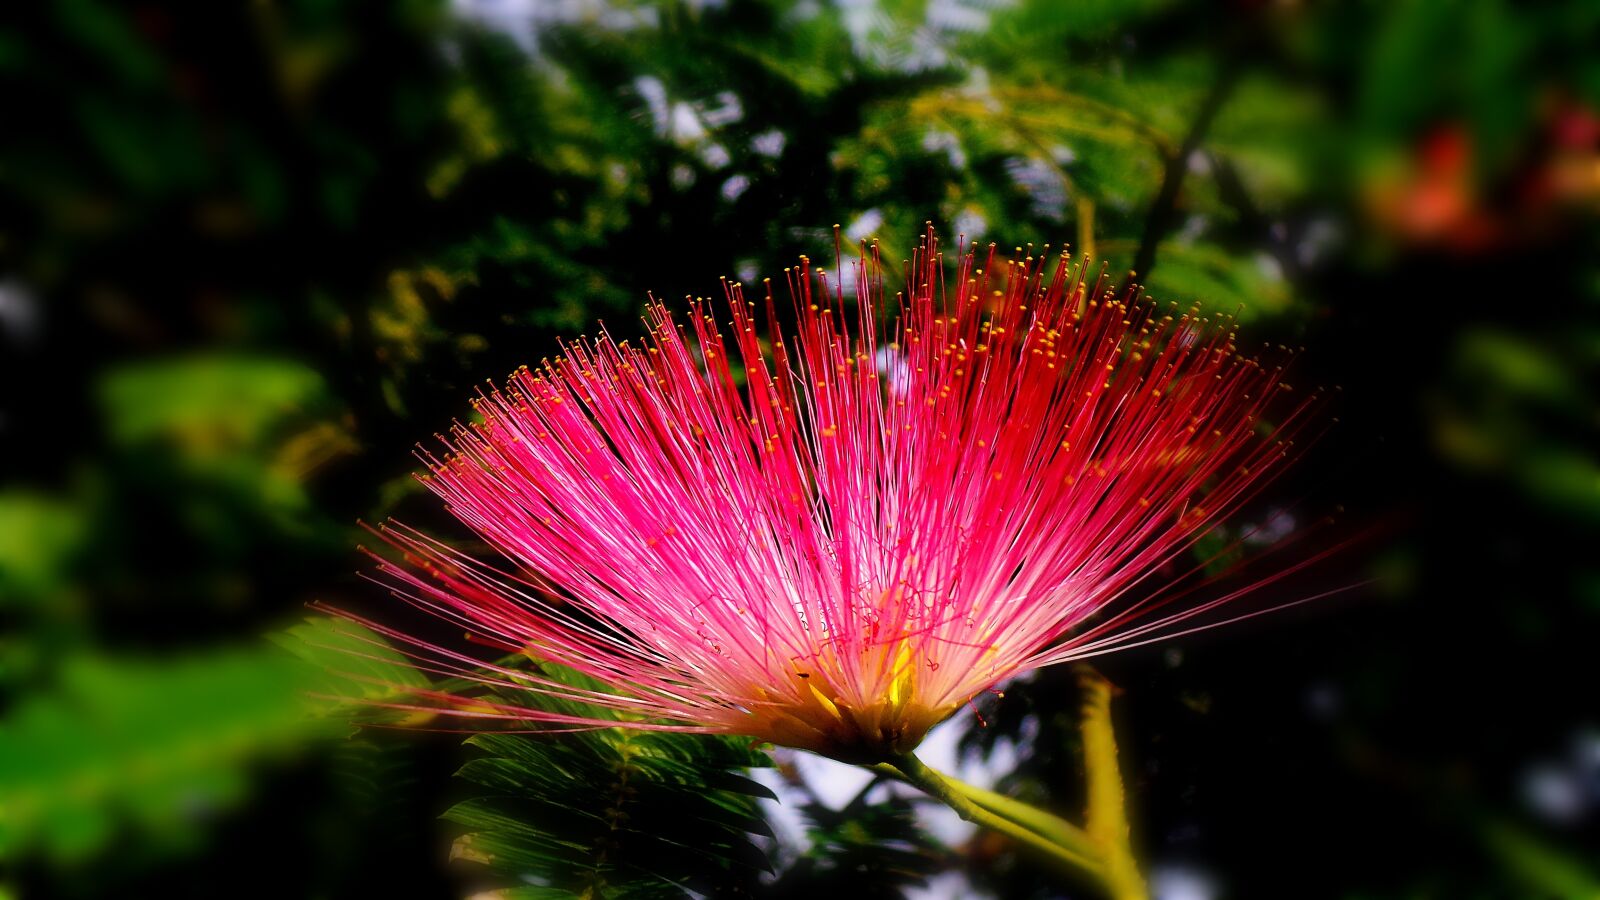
column 1269, row 267
column 733, row 187
column 909, row 44
column 525, row 21
column 940, row 821
column 770, row 143
column 675, row 121
column 1047, row 193
column 715, row 155
column 1555, row 794
column 862, row 20
column 19, row 310
column 864, row 225
column 906, row 44
column 813, row 237
column 969, row 225
column 783, row 814
column 956, row 16
column 1319, row 238
column 947, row 886
column 806, row 10
column 686, row 127
column 848, row 279
column 978, row 87
column 894, row 369
column 1193, row 228
column 834, row 783
column 1586, row 751
column 727, row 111
column 1279, row 524
column 1179, row 882
column 935, row 140
column 1566, row 791
column 654, row 94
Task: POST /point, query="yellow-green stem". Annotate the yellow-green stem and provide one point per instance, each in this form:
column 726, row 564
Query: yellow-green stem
column 1107, row 817
column 1053, row 827
column 913, row 771
column 1086, row 247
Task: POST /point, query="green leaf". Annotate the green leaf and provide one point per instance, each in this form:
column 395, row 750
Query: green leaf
column 159, row 749
column 233, row 438
column 207, row 399
column 38, row 536
column 1223, row 281
column 349, row 662
column 1543, row 870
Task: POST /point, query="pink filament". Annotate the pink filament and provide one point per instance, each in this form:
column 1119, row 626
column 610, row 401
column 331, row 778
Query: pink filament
column 705, row 522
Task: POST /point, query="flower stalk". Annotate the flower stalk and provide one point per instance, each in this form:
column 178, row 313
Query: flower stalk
column 1101, row 852
column 937, row 786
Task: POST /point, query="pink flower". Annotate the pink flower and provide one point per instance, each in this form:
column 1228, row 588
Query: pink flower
column 831, row 542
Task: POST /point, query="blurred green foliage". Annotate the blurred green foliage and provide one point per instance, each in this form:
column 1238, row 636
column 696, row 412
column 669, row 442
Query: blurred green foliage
column 614, row 813
column 163, row 746
column 251, row 253
column 159, row 743
column 865, row 849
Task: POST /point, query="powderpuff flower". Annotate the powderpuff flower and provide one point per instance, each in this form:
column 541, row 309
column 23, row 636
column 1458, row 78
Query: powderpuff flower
column 835, row 536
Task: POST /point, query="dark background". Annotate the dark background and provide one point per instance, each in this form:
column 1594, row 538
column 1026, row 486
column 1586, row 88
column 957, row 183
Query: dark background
column 250, row 253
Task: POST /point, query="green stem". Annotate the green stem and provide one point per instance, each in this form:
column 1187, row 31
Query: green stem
column 1053, row 827
column 1107, row 818
column 1071, row 859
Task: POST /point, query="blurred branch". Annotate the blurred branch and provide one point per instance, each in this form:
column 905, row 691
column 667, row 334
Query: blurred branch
column 1232, row 191
column 1010, row 108
column 1086, row 245
column 1051, row 97
column 1163, row 210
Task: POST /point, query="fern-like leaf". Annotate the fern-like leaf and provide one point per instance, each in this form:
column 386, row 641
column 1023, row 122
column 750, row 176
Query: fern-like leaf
column 866, row 850
column 613, row 812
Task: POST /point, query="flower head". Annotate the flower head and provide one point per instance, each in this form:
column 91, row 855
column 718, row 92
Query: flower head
column 832, row 539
